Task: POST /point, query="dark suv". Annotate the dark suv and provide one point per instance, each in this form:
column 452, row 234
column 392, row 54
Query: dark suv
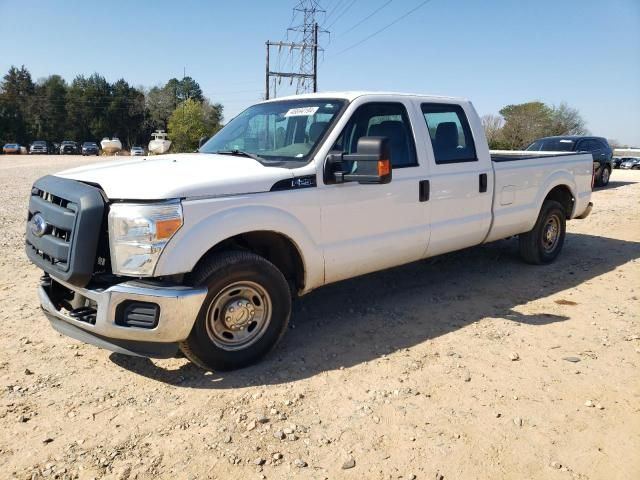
column 90, row 148
column 597, row 146
column 70, row 148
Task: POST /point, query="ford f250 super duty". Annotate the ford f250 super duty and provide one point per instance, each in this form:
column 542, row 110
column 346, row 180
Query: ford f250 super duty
column 204, row 251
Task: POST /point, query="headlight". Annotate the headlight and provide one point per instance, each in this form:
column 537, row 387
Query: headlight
column 139, row 233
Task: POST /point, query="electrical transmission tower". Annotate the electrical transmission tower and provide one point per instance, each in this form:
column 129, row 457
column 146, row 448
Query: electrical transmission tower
column 306, row 49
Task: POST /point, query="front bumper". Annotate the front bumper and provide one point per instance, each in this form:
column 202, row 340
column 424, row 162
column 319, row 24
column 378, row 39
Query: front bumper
column 178, row 309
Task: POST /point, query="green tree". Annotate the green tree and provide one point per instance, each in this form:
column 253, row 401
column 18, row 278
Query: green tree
column 192, row 120
column 567, row 121
column 524, row 123
column 17, row 90
column 49, row 108
column 126, row 112
column 184, row 89
column 88, row 102
column 160, row 104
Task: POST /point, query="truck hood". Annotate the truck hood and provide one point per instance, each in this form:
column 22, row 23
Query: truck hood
column 179, row 176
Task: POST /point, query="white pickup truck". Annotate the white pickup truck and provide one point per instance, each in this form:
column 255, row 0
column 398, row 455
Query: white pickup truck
column 204, row 251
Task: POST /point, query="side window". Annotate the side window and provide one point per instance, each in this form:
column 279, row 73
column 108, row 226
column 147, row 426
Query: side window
column 381, row 120
column 450, row 134
column 587, row 146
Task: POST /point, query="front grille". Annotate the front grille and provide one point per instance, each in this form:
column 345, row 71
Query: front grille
column 53, row 245
column 64, row 222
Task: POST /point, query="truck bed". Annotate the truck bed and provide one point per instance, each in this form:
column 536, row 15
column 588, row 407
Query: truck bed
column 514, row 155
column 522, row 180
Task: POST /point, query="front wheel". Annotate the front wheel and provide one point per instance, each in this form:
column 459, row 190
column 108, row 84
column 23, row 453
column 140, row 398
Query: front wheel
column 245, row 313
column 544, row 242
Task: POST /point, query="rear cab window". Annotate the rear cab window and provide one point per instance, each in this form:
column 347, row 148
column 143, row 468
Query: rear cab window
column 449, row 133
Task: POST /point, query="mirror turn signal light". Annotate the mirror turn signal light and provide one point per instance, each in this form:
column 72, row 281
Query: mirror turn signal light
column 384, row 167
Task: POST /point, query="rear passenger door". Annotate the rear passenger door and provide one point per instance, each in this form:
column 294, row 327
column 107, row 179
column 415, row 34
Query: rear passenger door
column 461, row 182
column 370, row 227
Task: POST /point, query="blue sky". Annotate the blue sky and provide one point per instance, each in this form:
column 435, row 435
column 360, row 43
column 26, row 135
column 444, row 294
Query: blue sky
column 494, row 52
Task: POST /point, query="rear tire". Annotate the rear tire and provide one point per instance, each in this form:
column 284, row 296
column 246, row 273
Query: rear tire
column 544, row 242
column 244, row 315
column 603, row 178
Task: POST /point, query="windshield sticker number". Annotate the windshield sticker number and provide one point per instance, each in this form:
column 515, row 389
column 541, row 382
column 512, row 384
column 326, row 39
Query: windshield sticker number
column 301, row 112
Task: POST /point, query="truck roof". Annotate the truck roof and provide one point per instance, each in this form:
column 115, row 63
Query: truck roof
column 352, row 95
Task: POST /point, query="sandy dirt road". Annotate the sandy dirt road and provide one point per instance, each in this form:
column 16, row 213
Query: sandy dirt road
column 468, row 366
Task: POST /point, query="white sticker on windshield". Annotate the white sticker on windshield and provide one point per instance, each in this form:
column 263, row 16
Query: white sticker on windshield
column 301, row 112
column 566, row 141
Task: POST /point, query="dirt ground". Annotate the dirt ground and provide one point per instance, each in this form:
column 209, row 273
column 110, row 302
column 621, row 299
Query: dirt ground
column 473, row 365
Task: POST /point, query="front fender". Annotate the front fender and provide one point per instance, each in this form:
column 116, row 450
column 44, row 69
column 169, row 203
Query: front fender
column 209, row 222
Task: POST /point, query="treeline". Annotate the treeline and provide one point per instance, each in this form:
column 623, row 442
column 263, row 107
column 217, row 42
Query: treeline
column 90, row 108
column 519, row 125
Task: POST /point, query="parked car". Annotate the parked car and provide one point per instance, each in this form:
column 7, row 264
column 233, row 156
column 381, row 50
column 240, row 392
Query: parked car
column 90, row 148
column 13, row 148
column 208, row 255
column 137, row 152
column 629, row 163
column 41, row 147
column 69, row 147
column 598, row 146
column 616, row 161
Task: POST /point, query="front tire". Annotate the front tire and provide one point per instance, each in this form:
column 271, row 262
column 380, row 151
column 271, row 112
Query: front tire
column 244, row 315
column 544, row 242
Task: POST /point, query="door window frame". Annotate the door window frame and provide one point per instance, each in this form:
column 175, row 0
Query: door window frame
column 464, row 123
column 405, row 119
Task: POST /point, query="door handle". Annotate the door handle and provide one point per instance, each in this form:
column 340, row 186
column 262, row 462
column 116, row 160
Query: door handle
column 423, row 190
column 483, row 182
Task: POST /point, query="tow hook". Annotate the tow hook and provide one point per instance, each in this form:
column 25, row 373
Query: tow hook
column 45, row 281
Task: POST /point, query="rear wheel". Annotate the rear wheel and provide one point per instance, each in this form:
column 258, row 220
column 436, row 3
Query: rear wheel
column 603, row 177
column 544, row 242
column 245, row 313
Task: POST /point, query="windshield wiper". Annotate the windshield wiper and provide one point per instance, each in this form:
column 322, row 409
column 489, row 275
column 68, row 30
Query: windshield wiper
column 240, row 153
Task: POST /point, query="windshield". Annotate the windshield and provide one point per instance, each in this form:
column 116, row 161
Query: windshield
column 552, row 145
column 278, row 131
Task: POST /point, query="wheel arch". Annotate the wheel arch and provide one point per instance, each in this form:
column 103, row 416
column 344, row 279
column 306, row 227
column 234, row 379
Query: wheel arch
column 276, row 247
column 563, row 195
column 270, row 232
column 560, row 187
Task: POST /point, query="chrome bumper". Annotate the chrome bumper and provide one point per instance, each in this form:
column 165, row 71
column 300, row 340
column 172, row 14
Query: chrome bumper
column 179, row 307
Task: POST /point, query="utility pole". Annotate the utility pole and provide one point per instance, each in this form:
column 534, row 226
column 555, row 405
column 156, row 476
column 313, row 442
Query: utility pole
column 306, row 76
column 315, row 57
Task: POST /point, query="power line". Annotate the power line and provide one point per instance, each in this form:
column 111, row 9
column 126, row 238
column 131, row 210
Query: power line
column 353, row 27
column 346, row 9
column 368, row 37
column 335, row 7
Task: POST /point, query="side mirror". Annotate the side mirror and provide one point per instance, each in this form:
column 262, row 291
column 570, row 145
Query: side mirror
column 202, row 141
column 373, row 163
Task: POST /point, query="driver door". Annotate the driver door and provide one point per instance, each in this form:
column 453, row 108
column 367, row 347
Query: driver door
column 371, row 227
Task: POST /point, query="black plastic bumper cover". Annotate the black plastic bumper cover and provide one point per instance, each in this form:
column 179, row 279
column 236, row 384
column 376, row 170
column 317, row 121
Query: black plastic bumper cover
column 126, row 347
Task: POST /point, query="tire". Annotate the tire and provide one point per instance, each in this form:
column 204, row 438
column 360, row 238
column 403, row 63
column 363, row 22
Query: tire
column 244, row 315
column 603, row 178
column 541, row 246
